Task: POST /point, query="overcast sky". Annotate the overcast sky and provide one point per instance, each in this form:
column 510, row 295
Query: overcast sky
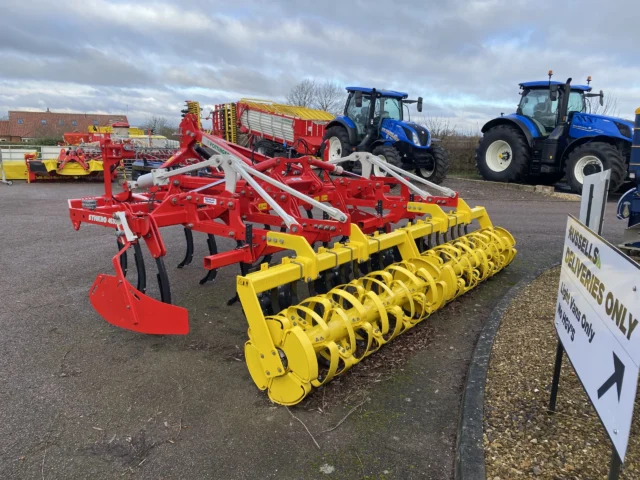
column 465, row 57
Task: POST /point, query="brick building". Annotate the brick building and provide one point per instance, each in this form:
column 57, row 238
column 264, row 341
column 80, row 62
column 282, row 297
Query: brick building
column 25, row 126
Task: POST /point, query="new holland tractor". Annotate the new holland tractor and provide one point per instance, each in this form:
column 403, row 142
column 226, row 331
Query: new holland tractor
column 552, row 134
column 373, row 121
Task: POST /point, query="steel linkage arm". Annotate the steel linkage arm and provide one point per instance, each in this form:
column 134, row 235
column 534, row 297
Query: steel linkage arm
column 368, row 160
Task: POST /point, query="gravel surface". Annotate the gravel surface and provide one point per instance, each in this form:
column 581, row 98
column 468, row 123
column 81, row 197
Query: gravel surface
column 82, row 399
column 521, row 439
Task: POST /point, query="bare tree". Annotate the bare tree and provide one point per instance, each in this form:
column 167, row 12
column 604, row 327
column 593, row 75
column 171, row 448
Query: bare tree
column 329, row 96
column 159, row 126
column 302, row 94
column 439, row 127
column 608, row 107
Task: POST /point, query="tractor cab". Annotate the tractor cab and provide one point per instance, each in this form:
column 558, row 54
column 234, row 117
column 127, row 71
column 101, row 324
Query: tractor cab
column 539, row 103
column 368, row 106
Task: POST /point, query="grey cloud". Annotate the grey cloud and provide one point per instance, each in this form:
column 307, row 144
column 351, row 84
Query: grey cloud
column 466, row 57
column 87, row 66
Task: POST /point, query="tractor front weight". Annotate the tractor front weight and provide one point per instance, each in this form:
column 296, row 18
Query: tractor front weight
column 362, row 259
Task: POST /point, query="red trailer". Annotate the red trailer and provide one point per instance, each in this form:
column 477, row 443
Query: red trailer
column 271, row 127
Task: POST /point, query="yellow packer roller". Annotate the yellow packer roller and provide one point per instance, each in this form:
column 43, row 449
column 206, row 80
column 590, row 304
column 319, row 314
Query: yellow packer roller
column 306, row 345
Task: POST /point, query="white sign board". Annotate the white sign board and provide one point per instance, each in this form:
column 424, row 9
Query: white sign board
column 598, row 322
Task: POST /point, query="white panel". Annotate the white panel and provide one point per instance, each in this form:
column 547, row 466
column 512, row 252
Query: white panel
column 267, row 124
column 15, row 153
column 50, row 153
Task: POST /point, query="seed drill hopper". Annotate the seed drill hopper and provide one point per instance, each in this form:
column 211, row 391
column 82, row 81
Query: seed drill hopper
column 333, row 265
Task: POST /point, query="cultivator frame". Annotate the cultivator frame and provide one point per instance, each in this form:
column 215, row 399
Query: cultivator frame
column 366, row 282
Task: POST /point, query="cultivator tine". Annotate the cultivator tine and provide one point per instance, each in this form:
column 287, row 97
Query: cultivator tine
column 266, row 305
column 327, row 280
column 189, row 255
column 284, row 296
column 213, row 249
column 163, row 281
column 266, row 259
column 345, row 273
column 123, row 258
column 140, row 268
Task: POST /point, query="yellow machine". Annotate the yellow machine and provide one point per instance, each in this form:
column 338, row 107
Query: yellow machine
column 327, row 334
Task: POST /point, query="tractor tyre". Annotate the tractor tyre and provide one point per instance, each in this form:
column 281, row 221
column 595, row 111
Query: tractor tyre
column 503, row 155
column 339, row 145
column 592, row 158
column 387, row 154
column 264, row 147
column 438, row 173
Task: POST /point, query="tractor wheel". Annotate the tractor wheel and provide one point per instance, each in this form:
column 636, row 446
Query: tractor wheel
column 339, row 145
column 438, row 172
column 503, row 155
column 592, row 158
column 264, row 147
column 387, row 154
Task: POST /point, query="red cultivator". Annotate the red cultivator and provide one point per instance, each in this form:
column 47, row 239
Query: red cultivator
column 366, row 283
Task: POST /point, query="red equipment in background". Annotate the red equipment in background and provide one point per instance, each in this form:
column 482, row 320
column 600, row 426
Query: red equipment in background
column 270, row 125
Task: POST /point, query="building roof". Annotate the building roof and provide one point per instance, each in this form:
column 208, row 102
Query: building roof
column 50, row 124
column 4, row 128
column 545, row 84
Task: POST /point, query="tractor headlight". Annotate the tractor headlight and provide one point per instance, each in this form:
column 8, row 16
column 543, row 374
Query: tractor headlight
column 625, row 131
column 415, row 138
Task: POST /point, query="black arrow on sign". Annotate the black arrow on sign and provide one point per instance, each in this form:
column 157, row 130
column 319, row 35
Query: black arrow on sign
column 615, row 379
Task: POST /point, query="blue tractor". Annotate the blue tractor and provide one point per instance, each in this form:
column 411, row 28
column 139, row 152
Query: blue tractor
column 373, row 121
column 552, row 135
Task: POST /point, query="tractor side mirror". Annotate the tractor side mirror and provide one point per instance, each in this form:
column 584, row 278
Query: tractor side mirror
column 419, row 106
column 601, row 98
column 553, row 93
column 358, row 99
